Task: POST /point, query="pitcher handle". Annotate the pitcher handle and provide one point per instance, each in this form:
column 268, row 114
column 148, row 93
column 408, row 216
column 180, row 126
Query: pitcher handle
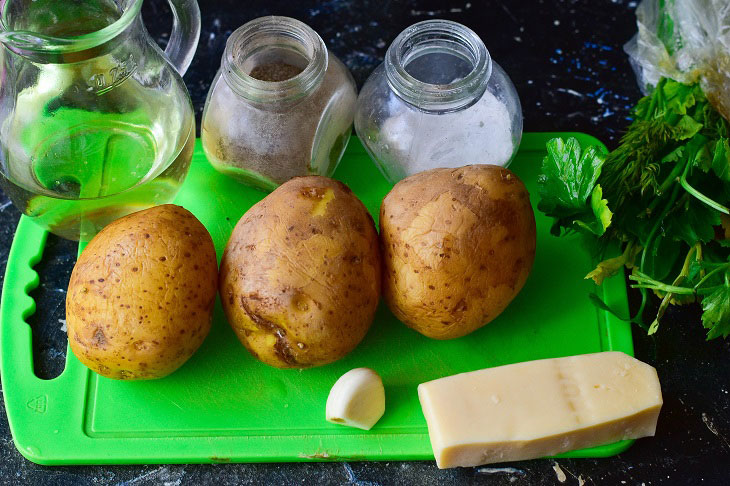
column 185, row 33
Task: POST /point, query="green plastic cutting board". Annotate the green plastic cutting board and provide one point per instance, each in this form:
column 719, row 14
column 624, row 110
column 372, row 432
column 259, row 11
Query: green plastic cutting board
column 223, row 405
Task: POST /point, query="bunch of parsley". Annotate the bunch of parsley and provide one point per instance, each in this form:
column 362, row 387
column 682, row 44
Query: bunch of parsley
column 663, row 195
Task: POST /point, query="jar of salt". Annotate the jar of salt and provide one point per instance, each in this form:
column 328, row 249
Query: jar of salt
column 280, row 106
column 438, row 100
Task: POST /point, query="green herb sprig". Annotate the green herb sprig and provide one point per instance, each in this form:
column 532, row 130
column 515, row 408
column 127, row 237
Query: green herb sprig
column 663, row 195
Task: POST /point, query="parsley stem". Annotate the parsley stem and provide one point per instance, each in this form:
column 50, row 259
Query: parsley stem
column 714, row 265
column 678, row 290
column 724, row 266
column 655, row 228
column 678, row 280
column 652, row 105
column 671, row 178
column 698, row 195
column 640, row 313
column 645, row 281
column 709, row 290
column 664, row 288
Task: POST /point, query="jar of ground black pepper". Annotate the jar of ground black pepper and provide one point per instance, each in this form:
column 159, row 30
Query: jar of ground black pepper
column 280, row 106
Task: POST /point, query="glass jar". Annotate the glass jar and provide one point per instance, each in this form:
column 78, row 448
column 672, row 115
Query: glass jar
column 280, row 106
column 438, row 100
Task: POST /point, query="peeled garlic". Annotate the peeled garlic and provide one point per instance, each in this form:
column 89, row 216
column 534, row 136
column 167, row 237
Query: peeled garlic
column 357, row 399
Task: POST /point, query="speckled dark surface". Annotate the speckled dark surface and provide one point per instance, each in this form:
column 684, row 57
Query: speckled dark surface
column 566, row 59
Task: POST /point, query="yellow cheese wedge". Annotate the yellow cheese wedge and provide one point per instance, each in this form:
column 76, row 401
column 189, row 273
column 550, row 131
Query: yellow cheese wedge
column 539, row 408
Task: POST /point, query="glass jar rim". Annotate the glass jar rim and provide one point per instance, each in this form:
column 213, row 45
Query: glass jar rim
column 23, row 41
column 453, row 96
column 292, row 88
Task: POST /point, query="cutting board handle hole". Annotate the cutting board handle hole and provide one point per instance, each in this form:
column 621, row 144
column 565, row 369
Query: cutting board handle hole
column 48, row 322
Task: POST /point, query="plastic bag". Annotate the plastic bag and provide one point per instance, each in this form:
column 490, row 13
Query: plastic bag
column 685, row 40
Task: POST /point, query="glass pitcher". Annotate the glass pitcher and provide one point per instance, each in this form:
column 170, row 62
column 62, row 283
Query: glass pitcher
column 95, row 120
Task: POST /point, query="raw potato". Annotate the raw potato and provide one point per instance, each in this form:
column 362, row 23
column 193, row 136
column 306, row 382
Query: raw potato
column 300, row 276
column 140, row 299
column 458, row 245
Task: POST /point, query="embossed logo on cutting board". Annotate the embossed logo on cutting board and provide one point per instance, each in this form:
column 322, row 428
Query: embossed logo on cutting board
column 38, row 404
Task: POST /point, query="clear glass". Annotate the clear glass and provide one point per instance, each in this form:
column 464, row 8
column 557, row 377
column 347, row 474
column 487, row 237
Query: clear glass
column 95, row 120
column 280, row 106
column 438, row 100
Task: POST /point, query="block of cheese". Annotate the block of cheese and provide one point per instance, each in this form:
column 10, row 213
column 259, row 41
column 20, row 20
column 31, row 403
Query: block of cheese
column 539, row 408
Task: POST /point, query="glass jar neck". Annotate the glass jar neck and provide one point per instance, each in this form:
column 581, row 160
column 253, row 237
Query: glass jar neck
column 274, row 41
column 438, row 65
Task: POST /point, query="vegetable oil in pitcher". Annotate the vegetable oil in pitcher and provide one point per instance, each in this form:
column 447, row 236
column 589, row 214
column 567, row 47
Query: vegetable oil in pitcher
column 91, row 138
column 76, row 179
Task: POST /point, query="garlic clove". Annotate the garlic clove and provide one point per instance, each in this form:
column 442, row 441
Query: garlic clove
column 357, row 399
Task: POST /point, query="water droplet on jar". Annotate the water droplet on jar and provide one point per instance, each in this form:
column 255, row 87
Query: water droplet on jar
column 301, row 345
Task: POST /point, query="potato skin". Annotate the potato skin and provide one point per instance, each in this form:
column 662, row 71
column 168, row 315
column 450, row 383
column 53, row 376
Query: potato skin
column 140, row 299
column 458, row 245
column 300, row 276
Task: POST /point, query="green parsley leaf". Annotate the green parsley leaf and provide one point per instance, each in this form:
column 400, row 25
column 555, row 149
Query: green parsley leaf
column 568, row 188
column 568, row 177
column 600, row 219
column 611, row 266
column 679, row 98
column 600, row 209
column 661, row 257
column 607, row 268
column 716, row 312
column 721, row 159
column 692, row 221
column 686, row 128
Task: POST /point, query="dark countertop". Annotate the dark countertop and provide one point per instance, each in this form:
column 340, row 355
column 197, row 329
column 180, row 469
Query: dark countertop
column 566, row 59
